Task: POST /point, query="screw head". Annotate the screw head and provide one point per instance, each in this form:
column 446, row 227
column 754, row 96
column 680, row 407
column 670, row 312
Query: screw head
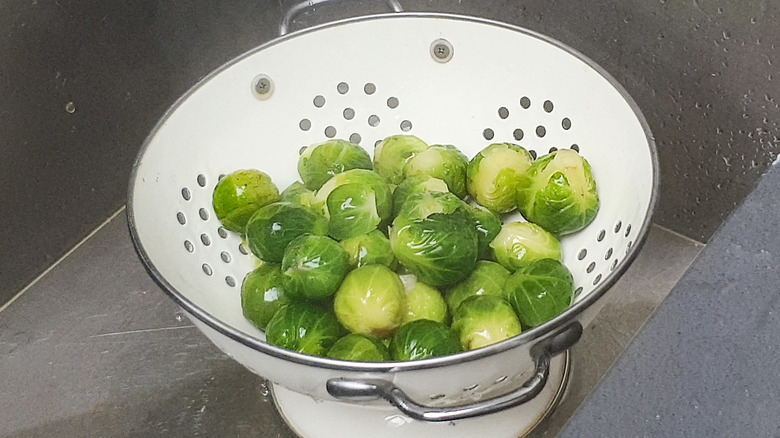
column 263, row 86
column 441, row 50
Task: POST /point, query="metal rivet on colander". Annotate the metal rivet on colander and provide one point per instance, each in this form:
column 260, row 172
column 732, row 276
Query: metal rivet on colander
column 262, row 87
column 442, row 50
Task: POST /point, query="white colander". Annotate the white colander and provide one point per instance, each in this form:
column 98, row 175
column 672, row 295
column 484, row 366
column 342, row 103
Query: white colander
column 444, row 78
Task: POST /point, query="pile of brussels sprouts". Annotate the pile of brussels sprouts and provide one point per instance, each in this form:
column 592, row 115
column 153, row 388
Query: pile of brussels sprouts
column 405, row 257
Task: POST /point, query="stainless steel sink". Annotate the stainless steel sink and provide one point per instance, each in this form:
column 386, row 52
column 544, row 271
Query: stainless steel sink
column 93, row 346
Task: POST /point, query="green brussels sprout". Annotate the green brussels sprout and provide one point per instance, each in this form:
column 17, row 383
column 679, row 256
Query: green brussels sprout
column 352, row 211
column 359, row 348
column 493, row 174
column 520, row 243
column 435, row 238
column 367, row 179
column 483, row 320
column 488, row 278
column 305, row 328
column 318, row 163
column 392, row 153
column 273, row 227
column 370, row 301
column 444, row 162
column 297, row 193
column 314, row 266
column 423, row 339
column 488, row 226
column 238, row 195
column 262, row 294
column 368, row 249
column 423, row 302
column 413, row 185
column 558, row 192
column 540, row 291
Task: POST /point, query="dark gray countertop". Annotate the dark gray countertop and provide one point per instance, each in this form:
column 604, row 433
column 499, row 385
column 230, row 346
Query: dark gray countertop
column 706, row 364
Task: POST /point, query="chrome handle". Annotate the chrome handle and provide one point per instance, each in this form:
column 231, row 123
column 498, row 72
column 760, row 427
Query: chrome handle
column 363, row 390
column 299, row 7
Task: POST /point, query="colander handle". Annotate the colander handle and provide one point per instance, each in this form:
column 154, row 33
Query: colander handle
column 542, row 352
column 287, row 18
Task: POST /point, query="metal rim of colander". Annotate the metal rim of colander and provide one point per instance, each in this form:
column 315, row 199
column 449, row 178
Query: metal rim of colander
column 389, row 367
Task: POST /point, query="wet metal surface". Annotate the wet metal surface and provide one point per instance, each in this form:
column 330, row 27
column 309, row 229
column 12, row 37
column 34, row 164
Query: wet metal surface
column 95, row 349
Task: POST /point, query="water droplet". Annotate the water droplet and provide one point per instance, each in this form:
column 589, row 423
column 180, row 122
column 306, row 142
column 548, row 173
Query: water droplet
column 752, row 20
column 70, row 107
column 263, row 389
column 726, row 35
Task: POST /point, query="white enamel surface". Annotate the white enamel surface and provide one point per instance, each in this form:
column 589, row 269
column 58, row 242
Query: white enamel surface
column 314, row 418
column 222, row 127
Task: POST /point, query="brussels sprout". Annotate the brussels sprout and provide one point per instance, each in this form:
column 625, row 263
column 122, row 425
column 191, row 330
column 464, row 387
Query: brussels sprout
column 424, row 302
column 262, row 294
column 435, row 238
column 314, row 266
column 273, row 227
column 421, row 205
column 359, row 348
column 239, row 195
column 493, row 174
column 413, row 185
column 520, row 243
column 303, row 327
column 370, row 301
column 444, row 162
column 370, row 181
column 488, row 226
column 368, row 249
column 392, row 153
column 558, row 192
column 352, row 211
column 483, row 320
column 423, row 339
column 297, row 193
column 540, row 291
column 488, row 278
column 320, row 162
